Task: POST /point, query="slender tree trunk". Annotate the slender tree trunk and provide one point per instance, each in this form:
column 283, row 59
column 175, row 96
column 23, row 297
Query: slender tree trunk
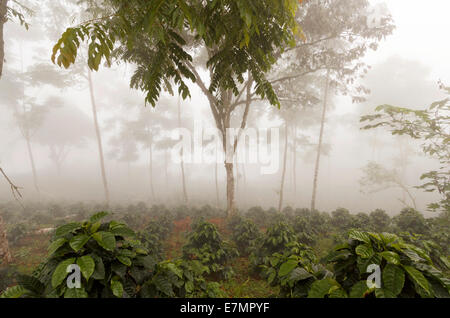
column 217, row 181
column 230, row 189
column 185, row 196
column 244, row 179
column 236, row 188
column 99, row 138
column 294, row 161
column 33, row 166
column 150, row 148
column 319, row 148
column 283, row 173
column 2, row 42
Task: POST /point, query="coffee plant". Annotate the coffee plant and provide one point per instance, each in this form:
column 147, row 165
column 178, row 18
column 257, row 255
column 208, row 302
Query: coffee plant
column 244, row 235
column 294, row 271
column 112, row 262
column 206, row 245
column 180, row 278
column 406, row 270
column 275, row 240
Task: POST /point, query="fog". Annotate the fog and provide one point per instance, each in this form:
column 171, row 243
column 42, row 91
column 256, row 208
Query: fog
column 404, row 71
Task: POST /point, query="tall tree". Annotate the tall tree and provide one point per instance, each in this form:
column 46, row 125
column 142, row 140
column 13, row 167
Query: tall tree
column 336, row 39
column 319, row 146
column 240, row 38
column 98, row 136
column 183, row 177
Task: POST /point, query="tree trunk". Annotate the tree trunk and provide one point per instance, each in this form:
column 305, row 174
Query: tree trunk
column 99, row 138
column 33, row 166
column 236, row 186
column 283, row 173
column 183, row 177
column 150, row 148
column 231, row 210
column 2, row 42
column 166, row 171
column 294, row 162
column 5, row 254
column 319, row 148
column 217, row 182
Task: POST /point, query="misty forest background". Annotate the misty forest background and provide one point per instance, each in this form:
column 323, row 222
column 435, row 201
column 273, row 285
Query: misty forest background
column 91, row 92
column 49, row 144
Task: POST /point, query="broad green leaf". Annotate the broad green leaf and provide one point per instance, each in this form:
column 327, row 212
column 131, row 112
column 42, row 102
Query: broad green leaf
column 175, row 270
column 117, row 288
column 55, row 245
column 60, row 272
column 189, row 286
column 299, row 274
column 365, row 251
column 105, row 240
column 87, row 266
column 67, row 228
column 274, row 261
column 99, row 272
column 393, row 279
column 359, row 236
column 418, row 278
column 98, row 216
column 124, row 260
column 123, row 231
column 321, row 288
column 94, row 227
column 77, row 242
column 391, row 257
column 287, row 267
column 359, row 289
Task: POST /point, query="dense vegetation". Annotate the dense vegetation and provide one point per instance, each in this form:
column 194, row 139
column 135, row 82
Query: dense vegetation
column 295, row 253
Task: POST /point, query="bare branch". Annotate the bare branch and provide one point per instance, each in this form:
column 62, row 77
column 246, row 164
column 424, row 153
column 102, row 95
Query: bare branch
column 14, row 189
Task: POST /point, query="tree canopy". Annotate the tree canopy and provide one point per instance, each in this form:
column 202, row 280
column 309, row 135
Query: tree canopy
column 244, row 36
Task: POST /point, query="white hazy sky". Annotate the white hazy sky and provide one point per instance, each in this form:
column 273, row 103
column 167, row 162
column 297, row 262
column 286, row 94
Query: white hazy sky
column 422, row 33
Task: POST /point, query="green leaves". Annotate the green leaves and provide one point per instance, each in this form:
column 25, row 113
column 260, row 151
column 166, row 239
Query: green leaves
column 78, row 241
column 60, row 272
column 359, row 290
column 124, row 260
column 55, row 245
column 66, row 229
column 393, row 279
column 401, row 265
column 418, row 278
column 428, row 125
column 98, row 216
column 391, row 257
column 359, row 236
column 120, row 229
column 287, row 267
column 365, row 251
column 117, row 288
column 105, row 240
column 87, row 266
column 322, row 288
